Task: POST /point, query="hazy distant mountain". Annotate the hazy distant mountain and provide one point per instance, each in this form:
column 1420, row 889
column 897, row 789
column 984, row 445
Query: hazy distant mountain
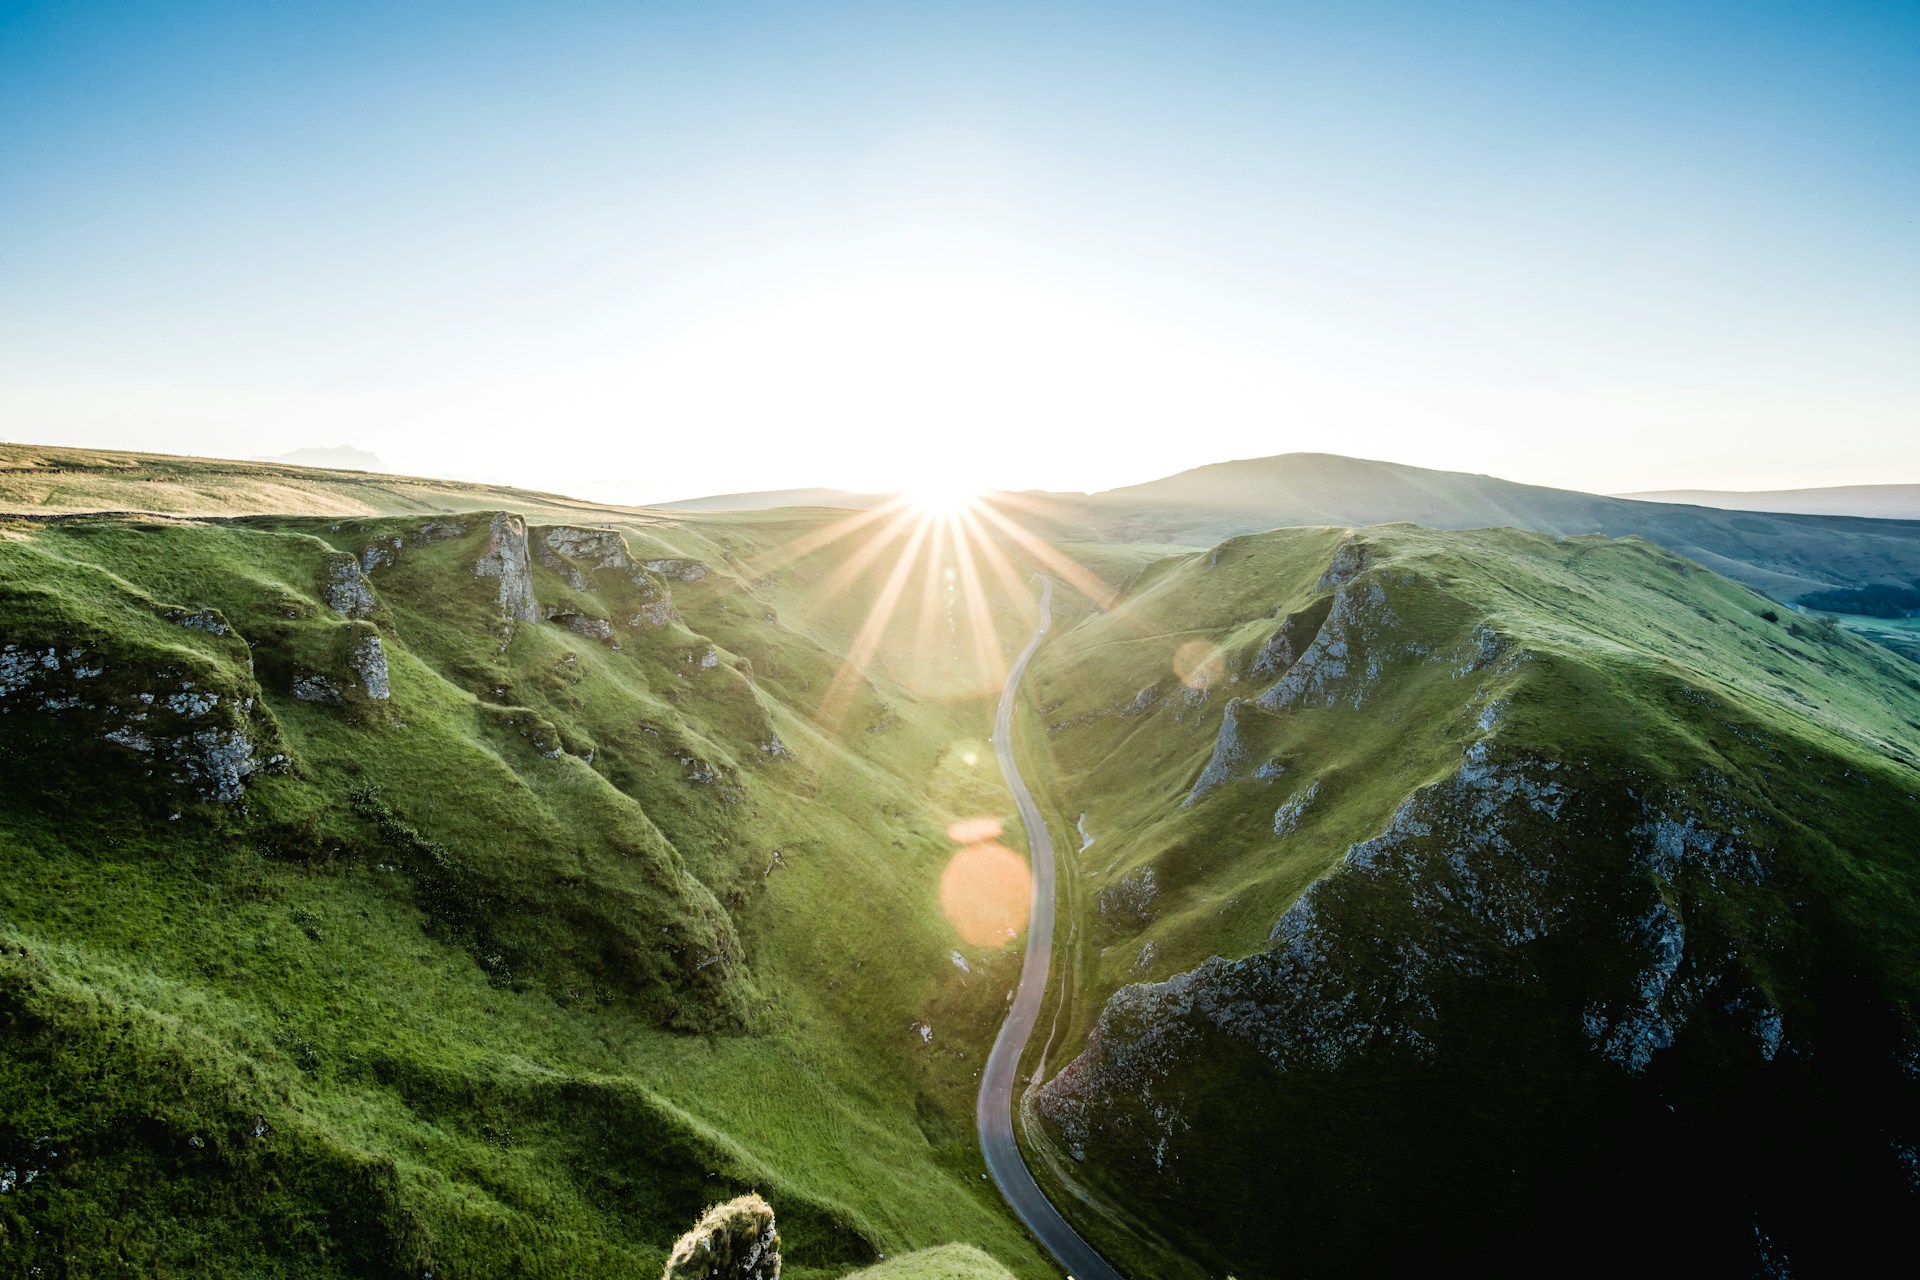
column 1878, row 501
column 768, row 499
column 335, row 457
column 1785, row 555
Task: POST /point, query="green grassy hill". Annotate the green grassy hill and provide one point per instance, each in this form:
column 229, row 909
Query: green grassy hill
column 1458, row 896
column 398, row 893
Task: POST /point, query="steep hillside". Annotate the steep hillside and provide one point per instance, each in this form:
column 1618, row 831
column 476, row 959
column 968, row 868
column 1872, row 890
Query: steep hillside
column 1785, row 555
column 1480, row 898
column 445, row 893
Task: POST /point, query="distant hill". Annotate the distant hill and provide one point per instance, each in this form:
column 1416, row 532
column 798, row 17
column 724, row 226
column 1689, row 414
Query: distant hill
column 772, row 499
column 1785, row 555
column 1876, row 501
column 338, row 457
column 45, row 480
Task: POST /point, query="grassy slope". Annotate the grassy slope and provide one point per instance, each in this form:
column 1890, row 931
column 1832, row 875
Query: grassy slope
column 949, row 1262
column 1651, row 674
column 446, row 1007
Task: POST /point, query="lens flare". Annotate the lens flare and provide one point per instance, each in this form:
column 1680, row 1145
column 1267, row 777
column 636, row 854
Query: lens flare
column 1199, row 665
column 986, row 892
column 938, row 571
column 975, row 830
column 942, row 499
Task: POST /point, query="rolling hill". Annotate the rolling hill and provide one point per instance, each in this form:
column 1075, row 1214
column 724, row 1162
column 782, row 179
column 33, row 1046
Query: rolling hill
column 1785, row 556
column 1874, row 501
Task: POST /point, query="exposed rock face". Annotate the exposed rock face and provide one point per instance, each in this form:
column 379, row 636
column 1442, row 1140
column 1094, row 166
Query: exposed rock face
column 199, row 740
column 378, row 555
column 733, row 1241
column 207, row 620
column 1130, row 899
column 1228, row 754
column 1279, row 652
column 1485, row 645
column 369, row 661
column 1341, row 648
column 348, row 593
column 438, row 531
column 1474, row 864
column 655, row 614
column 1348, row 563
column 577, row 553
column 311, row 686
column 683, row 570
column 592, row 628
column 506, row 559
column 1286, row 819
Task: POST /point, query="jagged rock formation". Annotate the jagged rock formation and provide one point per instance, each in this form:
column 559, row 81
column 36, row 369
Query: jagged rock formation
column 1286, row 819
column 369, row 662
column 566, row 550
column 684, row 570
column 348, row 592
column 1130, row 899
column 1228, row 754
column 506, row 559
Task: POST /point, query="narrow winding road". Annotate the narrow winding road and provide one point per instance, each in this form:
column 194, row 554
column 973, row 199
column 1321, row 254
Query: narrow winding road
column 994, row 1113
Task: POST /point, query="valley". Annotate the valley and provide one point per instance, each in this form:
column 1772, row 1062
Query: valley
column 487, row 889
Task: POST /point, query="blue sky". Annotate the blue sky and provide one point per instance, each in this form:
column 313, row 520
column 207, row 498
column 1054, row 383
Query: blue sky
column 643, row 251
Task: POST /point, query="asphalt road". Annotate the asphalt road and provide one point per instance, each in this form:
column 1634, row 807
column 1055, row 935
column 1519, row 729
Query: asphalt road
column 994, row 1112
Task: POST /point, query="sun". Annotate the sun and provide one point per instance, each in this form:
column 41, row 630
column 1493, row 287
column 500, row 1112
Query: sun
column 942, row 497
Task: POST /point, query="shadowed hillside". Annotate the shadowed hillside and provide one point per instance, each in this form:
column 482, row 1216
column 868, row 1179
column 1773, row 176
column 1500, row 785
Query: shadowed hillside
column 1455, row 890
